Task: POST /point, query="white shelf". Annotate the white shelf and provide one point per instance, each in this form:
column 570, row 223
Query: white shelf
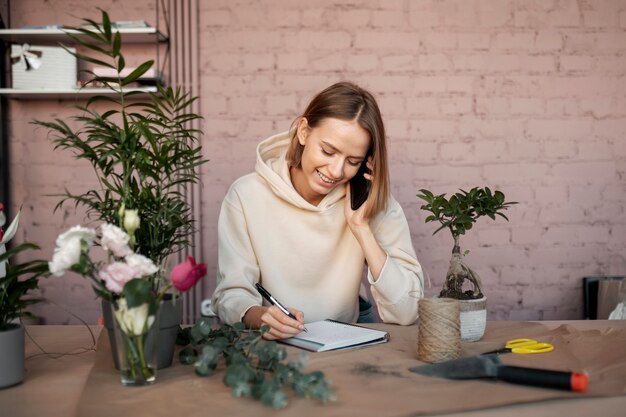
column 54, row 36
column 63, row 94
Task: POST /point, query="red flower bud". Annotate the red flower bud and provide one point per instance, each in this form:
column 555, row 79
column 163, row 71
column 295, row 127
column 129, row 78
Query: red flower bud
column 186, row 274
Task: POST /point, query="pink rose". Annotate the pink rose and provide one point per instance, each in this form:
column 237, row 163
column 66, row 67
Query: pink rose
column 116, row 275
column 185, row 275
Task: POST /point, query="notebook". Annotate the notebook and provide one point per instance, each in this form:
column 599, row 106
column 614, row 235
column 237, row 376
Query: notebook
column 333, row 335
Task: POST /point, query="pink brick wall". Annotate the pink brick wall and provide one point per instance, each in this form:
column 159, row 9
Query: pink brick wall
column 522, row 96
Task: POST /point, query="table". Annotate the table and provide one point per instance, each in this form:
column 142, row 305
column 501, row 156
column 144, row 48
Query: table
column 53, row 384
column 369, row 381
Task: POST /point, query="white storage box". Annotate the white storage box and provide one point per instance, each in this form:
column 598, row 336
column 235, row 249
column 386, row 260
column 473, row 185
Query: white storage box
column 42, row 67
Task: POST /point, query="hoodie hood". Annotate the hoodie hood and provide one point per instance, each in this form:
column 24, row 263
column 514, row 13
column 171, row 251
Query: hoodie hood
column 271, row 165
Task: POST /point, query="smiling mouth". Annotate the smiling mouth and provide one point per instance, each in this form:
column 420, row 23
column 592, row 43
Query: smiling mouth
column 325, row 178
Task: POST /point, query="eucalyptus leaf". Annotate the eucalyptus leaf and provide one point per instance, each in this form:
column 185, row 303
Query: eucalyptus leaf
column 188, row 355
column 204, row 326
column 241, row 389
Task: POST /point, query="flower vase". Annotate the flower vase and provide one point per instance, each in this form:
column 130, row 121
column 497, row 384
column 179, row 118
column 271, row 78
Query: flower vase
column 136, row 338
column 170, row 318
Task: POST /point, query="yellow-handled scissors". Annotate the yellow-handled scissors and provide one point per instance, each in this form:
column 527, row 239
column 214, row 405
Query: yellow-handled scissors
column 524, row 347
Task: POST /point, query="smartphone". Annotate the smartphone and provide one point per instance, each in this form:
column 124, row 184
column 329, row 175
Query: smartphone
column 359, row 187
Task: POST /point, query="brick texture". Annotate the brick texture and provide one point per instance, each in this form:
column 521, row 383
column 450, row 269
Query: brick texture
column 522, row 96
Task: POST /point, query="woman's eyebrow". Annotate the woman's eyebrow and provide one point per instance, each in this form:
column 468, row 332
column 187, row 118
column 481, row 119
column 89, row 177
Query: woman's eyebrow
column 329, row 145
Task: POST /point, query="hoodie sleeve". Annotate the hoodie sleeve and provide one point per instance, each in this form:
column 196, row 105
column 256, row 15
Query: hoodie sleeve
column 401, row 281
column 237, row 269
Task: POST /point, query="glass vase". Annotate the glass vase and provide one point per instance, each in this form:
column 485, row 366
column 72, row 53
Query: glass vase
column 136, row 337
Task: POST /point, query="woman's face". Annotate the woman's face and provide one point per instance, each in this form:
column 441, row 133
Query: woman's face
column 333, row 152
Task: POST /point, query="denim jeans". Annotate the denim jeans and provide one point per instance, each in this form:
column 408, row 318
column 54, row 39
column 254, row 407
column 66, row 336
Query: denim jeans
column 366, row 311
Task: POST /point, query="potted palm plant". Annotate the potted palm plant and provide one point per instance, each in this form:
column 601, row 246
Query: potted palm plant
column 144, row 152
column 458, row 215
column 14, row 299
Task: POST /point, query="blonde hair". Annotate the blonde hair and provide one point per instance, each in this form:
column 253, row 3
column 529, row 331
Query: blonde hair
column 347, row 101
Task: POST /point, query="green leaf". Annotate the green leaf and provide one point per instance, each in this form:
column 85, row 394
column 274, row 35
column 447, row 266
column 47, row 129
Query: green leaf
column 204, row 326
column 138, row 72
column 117, row 44
column 238, row 372
column 209, row 353
column 203, row 368
column 241, row 389
column 137, row 292
column 195, row 335
column 106, row 25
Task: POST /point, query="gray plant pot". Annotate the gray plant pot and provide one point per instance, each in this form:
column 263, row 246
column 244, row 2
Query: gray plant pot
column 170, row 318
column 11, row 356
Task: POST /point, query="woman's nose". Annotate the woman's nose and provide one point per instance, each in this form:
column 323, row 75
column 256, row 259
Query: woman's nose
column 336, row 169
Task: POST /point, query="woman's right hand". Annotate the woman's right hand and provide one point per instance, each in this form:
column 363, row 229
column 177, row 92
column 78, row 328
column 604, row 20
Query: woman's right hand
column 281, row 325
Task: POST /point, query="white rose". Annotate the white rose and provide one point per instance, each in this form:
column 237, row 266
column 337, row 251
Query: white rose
column 115, row 240
column 77, row 233
column 65, row 257
column 143, row 266
column 133, row 321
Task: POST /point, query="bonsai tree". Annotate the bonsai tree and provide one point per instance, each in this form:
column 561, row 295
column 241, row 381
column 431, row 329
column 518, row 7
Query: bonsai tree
column 144, row 152
column 458, row 214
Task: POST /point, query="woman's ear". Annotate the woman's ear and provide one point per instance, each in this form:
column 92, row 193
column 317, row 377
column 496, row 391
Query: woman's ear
column 303, row 130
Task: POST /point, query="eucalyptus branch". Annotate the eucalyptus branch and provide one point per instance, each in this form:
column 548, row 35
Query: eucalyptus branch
column 254, row 367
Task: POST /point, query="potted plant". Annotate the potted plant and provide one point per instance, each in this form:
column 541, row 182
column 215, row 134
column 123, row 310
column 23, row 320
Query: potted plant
column 144, row 153
column 458, row 214
column 13, row 300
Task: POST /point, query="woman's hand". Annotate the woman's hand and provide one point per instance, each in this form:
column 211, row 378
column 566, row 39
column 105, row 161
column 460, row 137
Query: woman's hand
column 281, row 325
column 359, row 225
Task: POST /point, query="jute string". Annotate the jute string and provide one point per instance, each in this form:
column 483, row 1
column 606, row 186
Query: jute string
column 439, row 330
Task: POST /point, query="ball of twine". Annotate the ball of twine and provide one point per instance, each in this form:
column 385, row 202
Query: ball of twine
column 439, row 330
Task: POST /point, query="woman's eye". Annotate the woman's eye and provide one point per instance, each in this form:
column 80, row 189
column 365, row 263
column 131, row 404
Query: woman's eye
column 354, row 164
column 326, row 152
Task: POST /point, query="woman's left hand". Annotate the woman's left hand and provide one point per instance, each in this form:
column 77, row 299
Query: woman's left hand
column 359, row 224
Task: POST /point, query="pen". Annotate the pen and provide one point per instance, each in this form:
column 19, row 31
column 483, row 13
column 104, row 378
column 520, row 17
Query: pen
column 270, row 299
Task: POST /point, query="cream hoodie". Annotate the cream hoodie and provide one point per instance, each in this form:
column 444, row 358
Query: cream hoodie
column 305, row 255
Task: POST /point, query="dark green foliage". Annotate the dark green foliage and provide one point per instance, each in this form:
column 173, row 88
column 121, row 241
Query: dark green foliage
column 144, row 153
column 254, row 367
column 462, row 210
column 13, row 289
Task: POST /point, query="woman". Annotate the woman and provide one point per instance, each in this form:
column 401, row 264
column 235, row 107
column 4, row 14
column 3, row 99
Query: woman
column 290, row 225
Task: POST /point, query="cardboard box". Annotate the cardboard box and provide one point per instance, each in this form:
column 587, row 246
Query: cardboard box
column 37, row 67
